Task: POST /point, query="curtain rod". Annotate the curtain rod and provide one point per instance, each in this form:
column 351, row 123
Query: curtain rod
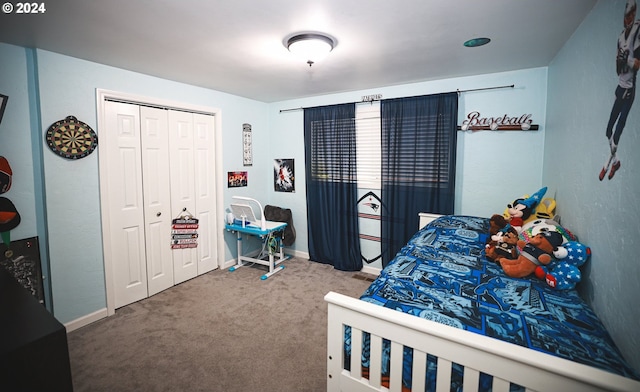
column 456, row 91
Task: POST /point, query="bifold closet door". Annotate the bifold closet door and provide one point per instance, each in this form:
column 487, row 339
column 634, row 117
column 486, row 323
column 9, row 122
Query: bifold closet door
column 191, row 146
column 126, row 204
column 157, row 198
column 139, row 201
column 205, row 192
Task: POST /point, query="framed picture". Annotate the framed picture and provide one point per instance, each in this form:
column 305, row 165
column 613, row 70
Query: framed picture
column 3, row 105
column 284, row 175
column 236, row 179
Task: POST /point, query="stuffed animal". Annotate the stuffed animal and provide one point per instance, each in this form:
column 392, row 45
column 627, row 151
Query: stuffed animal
column 496, row 223
column 564, row 273
column 503, row 244
column 521, row 209
column 533, row 227
column 539, row 251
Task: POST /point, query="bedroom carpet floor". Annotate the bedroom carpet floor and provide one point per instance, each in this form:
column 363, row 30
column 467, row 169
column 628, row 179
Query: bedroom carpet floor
column 222, row 331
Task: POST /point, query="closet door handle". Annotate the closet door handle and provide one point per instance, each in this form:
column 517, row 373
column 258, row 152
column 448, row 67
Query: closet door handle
column 159, row 213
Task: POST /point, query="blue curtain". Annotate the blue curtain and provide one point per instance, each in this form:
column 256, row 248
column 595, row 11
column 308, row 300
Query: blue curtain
column 418, row 164
column 332, row 194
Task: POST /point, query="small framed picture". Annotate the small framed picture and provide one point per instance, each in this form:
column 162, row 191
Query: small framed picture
column 236, row 179
column 3, row 105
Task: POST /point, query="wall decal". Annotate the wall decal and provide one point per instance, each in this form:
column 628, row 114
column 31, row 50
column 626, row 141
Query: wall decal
column 627, row 64
column 475, row 122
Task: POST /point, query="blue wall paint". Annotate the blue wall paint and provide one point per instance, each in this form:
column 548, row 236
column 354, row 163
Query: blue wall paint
column 493, row 168
column 67, row 86
column 604, row 215
column 15, row 137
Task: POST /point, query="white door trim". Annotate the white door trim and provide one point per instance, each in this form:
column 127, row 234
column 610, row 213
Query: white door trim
column 101, row 96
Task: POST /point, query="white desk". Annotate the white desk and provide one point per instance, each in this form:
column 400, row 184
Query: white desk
column 255, row 229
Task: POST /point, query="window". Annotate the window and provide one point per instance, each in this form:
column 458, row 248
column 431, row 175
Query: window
column 369, row 155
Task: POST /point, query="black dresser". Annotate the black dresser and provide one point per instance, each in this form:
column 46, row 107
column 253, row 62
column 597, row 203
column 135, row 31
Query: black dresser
column 34, row 355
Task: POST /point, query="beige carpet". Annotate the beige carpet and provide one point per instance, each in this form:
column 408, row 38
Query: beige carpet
column 222, row 331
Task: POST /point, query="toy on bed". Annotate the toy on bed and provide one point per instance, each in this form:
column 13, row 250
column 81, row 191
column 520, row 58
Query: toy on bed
column 537, row 252
column 564, row 273
column 503, row 244
column 522, row 209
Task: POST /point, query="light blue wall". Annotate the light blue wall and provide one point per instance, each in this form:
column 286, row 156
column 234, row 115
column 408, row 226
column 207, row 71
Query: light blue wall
column 493, row 168
column 605, row 215
column 67, row 86
column 15, row 136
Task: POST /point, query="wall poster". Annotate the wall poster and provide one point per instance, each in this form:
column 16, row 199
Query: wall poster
column 284, row 175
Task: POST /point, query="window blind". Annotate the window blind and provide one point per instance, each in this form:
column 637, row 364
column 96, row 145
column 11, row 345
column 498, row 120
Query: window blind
column 331, row 142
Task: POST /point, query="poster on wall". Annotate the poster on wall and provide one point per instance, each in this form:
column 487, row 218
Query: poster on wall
column 284, row 175
column 627, row 64
column 236, row 179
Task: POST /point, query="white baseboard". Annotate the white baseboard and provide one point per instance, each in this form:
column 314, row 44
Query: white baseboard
column 86, row 320
column 371, row 270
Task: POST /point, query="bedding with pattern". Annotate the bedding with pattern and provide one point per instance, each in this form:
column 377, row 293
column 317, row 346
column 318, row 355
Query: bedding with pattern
column 441, row 274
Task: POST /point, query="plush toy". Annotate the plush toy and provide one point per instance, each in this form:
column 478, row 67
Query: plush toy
column 564, row 273
column 496, row 223
column 521, row 209
column 531, row 228
column 538, row 251
column 503, row 244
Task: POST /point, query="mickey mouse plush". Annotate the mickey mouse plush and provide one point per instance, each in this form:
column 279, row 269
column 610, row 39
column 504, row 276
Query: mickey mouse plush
column 521, row 209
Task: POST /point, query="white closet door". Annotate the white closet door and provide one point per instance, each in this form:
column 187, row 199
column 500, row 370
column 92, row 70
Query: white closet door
column 126, row 208
column 205, row 191
column 157, row 198
column 182, row 175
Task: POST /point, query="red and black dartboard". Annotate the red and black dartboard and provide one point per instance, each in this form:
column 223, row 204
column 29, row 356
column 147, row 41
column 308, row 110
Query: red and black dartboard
column 71, row 138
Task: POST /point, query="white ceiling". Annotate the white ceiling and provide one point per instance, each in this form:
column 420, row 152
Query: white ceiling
column 236, row 46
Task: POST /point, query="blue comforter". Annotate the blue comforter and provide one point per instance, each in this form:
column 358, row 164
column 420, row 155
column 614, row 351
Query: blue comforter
column 442, row 275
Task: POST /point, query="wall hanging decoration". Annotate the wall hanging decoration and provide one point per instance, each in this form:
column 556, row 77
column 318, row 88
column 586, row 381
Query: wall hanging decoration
column 475, row 122
column 247, row 145
column 3, row 105
column 184, row 231
column 71, row 138
column 236, row 179
column 284, row 175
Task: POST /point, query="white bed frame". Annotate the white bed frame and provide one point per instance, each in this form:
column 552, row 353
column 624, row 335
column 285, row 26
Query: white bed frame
column 506, row 362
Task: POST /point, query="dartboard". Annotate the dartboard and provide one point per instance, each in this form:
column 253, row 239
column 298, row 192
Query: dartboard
column 71, row 139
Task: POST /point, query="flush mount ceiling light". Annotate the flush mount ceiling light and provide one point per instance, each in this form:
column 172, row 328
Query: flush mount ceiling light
column 475, row 42
column 311, row 47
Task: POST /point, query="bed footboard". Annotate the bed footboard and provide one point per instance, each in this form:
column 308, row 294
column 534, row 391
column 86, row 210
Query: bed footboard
column 507, row 363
